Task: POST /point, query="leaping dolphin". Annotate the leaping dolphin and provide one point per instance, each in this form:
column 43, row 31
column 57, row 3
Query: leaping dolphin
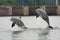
column 43, row 14
column 18, row 22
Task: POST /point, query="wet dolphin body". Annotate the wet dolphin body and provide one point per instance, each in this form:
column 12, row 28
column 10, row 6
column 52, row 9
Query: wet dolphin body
column 43, row 14
column 18, row 22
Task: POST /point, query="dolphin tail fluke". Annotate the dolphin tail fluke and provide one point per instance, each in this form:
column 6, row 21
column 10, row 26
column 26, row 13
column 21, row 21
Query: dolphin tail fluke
column 50, row 27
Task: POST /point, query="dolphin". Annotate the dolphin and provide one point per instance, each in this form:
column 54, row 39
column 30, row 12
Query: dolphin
column 17, row 22
column 43, row 14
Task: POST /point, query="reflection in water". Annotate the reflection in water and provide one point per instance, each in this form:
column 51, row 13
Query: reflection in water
column 44, row 35
column 16, row 32
column 30, row 34
column 16, row 35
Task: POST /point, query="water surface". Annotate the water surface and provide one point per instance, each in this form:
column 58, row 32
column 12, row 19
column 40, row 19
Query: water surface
column 37, row 29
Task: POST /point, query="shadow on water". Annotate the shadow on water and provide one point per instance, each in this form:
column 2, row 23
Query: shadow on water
column 16, row 35
column 36, row 34
column 16, row 32
column 43, row 35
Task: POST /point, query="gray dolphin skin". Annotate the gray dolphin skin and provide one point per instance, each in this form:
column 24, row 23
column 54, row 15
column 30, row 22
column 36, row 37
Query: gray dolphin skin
column 43, row 14
column 17, row 22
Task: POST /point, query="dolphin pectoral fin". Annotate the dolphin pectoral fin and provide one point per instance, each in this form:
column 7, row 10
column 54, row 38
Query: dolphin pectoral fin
column 37, row 16
column 13, row 24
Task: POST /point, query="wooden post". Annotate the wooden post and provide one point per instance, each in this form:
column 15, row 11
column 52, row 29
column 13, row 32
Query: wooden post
column 58, row 10
column 10, row 10
column 26, row 10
